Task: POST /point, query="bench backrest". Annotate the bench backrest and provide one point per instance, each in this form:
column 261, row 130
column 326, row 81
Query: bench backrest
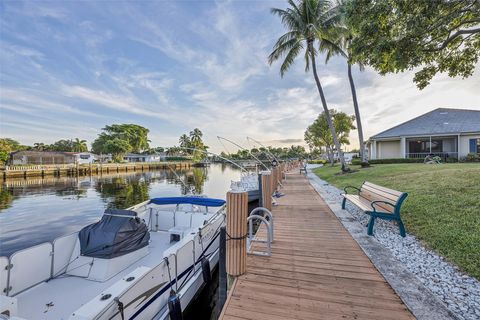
column 373, row 192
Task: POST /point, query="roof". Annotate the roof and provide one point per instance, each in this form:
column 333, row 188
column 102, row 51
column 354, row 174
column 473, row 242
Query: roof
column 437, row 122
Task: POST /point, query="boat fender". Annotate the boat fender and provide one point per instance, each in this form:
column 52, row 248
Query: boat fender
column 174, row 307
column 206, row 272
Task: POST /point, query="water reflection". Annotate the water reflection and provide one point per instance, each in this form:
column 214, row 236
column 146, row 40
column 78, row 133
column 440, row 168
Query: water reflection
column 36, row 210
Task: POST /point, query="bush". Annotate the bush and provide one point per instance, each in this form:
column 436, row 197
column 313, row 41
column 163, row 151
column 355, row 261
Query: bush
column 356, row 161
column 393, row 160
column 177, row 159
column 317, row 161
column 472, row 157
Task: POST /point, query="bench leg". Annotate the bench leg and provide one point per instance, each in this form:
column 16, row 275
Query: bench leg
column 401, row 227
column 370, row 226
column 343, row 203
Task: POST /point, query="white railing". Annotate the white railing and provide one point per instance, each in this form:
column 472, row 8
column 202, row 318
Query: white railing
column 422, row 155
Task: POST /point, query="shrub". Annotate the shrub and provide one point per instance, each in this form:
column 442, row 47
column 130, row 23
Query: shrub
column 356, row 161
column 387, row 161
column 317, row 161
column 472, row 157
column 177, row 159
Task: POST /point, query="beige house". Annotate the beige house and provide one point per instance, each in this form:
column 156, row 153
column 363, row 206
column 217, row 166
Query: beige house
column 444, row 132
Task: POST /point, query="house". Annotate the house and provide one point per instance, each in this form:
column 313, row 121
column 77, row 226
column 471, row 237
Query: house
column 50, row 157
column 133, row 157
column 444, row 132
column 83, row 157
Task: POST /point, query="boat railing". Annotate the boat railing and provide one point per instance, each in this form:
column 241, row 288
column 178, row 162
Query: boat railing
column 49, row 259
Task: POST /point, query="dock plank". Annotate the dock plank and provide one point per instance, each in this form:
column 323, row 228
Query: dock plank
column 316, row 271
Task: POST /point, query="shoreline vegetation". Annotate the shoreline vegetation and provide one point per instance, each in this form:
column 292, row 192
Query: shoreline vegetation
column 441, row 209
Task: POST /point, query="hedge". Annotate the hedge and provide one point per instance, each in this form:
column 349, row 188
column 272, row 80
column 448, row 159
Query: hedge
column 317, row 161
column 390, row 161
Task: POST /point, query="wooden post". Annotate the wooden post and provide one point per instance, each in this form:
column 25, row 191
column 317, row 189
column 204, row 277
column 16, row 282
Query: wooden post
column 274, row 179
column 266, row 190
column 237, row 212
column 222, row 271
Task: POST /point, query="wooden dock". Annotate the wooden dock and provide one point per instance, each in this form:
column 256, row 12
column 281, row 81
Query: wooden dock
column 316, row 271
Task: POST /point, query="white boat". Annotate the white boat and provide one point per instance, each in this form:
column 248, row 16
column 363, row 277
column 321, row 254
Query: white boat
column 126, row 266
column 248, row 182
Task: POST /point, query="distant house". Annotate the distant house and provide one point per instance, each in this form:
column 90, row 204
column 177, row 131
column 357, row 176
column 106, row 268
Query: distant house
column 50, row 157
column 133, row 157
column 448, row 133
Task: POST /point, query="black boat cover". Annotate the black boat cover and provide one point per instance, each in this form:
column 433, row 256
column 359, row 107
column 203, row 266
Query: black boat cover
column 118, row 232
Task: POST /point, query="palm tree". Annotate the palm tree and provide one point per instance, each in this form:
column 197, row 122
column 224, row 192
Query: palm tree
column 340, row 45
column 307, row 21
column 196, row 137
column 80, row 145
column 185, row 142
column 39, row 146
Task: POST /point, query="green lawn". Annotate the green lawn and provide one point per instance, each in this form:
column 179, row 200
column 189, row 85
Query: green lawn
column 442, row 208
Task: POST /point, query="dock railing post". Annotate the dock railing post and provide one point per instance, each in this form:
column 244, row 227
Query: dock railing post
column 237, row 213
column 266, row 189
column 222, row 271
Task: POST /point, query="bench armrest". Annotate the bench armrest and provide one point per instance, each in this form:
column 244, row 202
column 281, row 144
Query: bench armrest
column 380, row 201
column 346, row 192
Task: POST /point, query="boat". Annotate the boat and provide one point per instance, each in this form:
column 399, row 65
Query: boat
column 249, row 182
column 131, row 264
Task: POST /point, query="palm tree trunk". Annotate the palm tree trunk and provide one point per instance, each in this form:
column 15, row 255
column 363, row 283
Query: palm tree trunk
column 363, row 155
column 330, row 155
column 325, row 108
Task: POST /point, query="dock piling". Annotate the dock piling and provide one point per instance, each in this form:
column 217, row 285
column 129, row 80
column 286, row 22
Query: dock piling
column 266, row 189
column 237, row 212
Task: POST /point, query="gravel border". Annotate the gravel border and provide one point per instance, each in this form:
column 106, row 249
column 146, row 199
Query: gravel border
column 431, row 287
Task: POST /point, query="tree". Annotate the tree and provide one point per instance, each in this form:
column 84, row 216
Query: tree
column 307, row 21
column 39, row 146
column 319, row 135
column 399, row 35
column 80, row 145
column 7, row 146
column 185, row 142
column 339, row 43
column 135, row 135
column 119, row 139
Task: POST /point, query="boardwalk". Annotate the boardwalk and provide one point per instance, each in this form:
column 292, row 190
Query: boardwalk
column 316, row 271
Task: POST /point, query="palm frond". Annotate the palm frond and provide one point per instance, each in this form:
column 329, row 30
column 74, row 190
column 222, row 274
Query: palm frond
column 290, row 57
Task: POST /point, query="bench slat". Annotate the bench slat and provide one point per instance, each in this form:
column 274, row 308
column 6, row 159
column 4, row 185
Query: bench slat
column 359, row 202
column 384, row 189
column 380, row 194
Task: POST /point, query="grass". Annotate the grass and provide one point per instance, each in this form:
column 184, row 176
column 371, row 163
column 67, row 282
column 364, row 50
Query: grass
column 442, row 208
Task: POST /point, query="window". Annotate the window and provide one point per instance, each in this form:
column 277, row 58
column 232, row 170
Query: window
column 474, row 146
column 423, row 146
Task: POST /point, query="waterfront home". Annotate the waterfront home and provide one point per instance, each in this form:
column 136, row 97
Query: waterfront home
column 155, row 157
column 29, row 157
column 444, row 132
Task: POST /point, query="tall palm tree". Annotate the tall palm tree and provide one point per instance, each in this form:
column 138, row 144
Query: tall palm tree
column 339, row 44
column 80, row 145
column 196, row 137
column 307, row 21
column 185, row 142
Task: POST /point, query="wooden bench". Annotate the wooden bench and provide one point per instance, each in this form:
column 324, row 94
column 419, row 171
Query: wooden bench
column 377, row 202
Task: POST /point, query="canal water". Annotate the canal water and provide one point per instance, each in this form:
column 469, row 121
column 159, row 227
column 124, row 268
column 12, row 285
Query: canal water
column 37, row 210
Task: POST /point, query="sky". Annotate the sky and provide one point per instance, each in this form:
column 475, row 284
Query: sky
column 69, row 68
